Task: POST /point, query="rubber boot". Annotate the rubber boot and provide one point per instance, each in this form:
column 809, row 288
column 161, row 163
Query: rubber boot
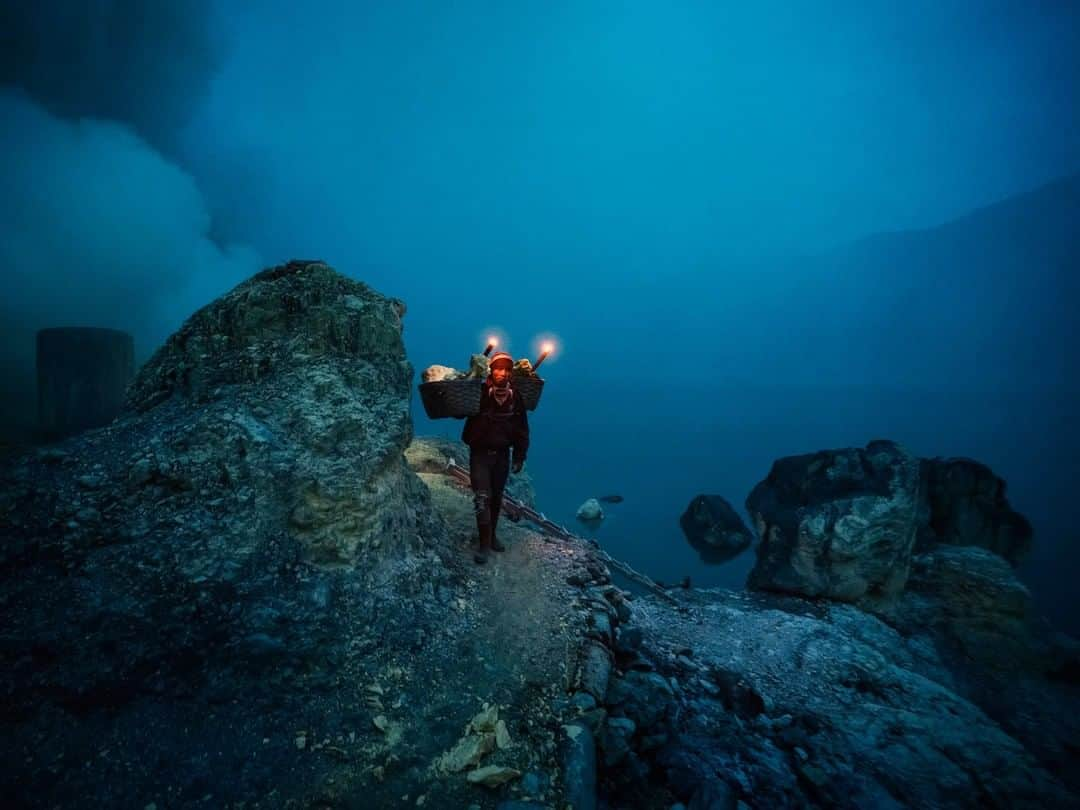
column 481, row 555
column 496, row 504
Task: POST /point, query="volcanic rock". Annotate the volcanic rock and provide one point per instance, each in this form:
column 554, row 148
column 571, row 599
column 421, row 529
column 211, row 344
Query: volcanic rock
column 794, row 693
column 968, row 507
column 714, row 529
column 590, row 511
column 837, row 523
column 493, row 775
column 239, row 594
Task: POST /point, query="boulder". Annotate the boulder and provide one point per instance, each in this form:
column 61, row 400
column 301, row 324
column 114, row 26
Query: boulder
column 837, row 523
column 590, row 511
column 579, row 766
column 286, row 320
column 968, row 585
column 966, row 603
column 644, row 697
column 967, row 507
column 614, row 739
column 714, row 529
column 214, row 562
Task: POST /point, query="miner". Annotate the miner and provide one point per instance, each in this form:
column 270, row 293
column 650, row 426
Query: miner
column 498, row 440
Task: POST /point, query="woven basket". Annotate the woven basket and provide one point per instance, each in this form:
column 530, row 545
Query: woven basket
column 451, row 398
column 529, row 389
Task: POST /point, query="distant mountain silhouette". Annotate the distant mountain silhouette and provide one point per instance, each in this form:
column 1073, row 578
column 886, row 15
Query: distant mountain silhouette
column 988, row 300
column 993, row 295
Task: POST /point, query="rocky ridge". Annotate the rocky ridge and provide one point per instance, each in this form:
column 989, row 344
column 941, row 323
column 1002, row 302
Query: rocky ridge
column 240, row 593
column 254, row 589
column 885, row 656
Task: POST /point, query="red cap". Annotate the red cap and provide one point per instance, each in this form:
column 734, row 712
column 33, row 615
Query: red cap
column 495, row 358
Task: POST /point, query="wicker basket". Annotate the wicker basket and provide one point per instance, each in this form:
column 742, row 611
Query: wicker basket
column 529, row 389
column 451, row 398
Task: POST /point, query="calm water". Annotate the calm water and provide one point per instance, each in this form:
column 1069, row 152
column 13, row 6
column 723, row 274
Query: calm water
column 660, row 446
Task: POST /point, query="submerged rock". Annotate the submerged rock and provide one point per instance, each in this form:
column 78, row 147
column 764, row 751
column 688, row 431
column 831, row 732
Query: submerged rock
column 715, row 529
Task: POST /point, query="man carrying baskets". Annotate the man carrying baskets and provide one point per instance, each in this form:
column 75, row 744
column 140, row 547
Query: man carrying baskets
column 499, row 427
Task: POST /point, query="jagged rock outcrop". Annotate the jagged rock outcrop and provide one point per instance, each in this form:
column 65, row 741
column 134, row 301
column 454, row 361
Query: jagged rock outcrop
column 213, row 551
column 715, row 529
column 845, row 523
column 838, row 523
column 239, row 593
column 970, row 593
column 274, row 324
column 296, row 382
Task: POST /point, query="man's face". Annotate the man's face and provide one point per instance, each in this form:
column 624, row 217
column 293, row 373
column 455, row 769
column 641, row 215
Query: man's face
column 500, row 373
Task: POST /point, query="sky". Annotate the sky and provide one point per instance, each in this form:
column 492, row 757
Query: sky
column 670, row 190
column 575, row 155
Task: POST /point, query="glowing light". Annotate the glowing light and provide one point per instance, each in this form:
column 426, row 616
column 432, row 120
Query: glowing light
column 546, row 348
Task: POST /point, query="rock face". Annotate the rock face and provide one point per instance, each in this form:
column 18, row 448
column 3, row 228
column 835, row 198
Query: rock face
column 967, row 603
column 967, row 591
column 967, row 507
column 715, row 529
column 223, row 586
column 796, row 704
column 839, row 523
column 273, row 324
column 320, row 364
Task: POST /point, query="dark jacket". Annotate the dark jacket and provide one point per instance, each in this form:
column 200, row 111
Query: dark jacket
column 498, row 426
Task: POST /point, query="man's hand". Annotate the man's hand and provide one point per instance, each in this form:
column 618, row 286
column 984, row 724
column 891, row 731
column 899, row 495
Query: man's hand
column 515, row 468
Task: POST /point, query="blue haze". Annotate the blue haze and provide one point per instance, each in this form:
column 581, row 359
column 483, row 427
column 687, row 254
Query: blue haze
column 753, row 229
